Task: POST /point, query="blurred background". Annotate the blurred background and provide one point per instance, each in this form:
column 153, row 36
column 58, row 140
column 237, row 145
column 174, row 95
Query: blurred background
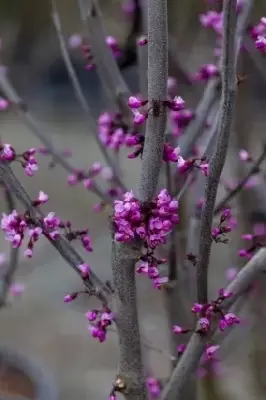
column 38, row 323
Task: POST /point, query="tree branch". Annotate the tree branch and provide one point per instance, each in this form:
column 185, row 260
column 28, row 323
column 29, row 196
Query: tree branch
column 36, row 128
column 93, row 283
column 222, row 204
column 103, row 58
column 211, row 92
column 228, row 76
column 124, row 256
column 81, row 97
column 157, row 93
column 190, row 359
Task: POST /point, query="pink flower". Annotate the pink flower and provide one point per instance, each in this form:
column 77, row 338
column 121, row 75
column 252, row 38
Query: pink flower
column 88, row 183
column 142, row 41
column 16, row 289
column 197, row 308
column 3, row 104
column 75, row 41
column 91, row 315
column 7, row 152
column 204, row 324
column 204, row 167
column 84, row 269
column 70, row 297
column 134, row 102
column 43, row 197
column 139, row 118
column 211, row 350
column 28, row 253
column 177, row 329
column 244, row 155
column 176, row 104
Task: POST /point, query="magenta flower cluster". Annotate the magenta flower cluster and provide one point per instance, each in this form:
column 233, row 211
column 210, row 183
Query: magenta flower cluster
column 99, row 323
column 258, row 34
column 17, row 227
column 224, row 227
column 207, row 312
column 150, row 223
column 27, row 159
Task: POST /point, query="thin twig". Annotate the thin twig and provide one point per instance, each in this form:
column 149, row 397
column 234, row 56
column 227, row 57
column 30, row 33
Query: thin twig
column 191, row 357
column 80, row 95
column 103, row 58
column 212, row 92
column 229, row 196
column 95, row 286
column 36, row 128
column 228, row 75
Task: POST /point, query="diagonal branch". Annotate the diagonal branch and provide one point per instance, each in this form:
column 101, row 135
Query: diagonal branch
column 36, row 128
column 80, row 94
column 191, row 357
column 103, row 58
column 228, row 76
column 93, row 283
column 212, row 91
column 241, row 184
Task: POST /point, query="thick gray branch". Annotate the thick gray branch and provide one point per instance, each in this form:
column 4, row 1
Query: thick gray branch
column 228, row 76
column 131, row 368
column 157, row 93
column 124, row 257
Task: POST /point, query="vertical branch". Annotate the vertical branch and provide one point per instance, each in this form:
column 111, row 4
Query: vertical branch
column 80, row 94
column 143, row 69
column 103, row 58
column 157, row 93
column 124, row 256
column 228, row 76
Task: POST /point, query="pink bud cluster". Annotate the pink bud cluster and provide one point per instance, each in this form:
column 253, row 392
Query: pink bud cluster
column 206, row 72
column 112, row 131
column 149, row 266
column 27, row 159
column 257, row 239
column 4, row 104
column 151, row 223
column 174, row 104
column 224, row 227
column 19, row 226
column 258, row 34
column 87, row 177
column 207, row 314
column 179, row 120
column 214, row 20
column 77, row 42
column 100, row 320
column 154, row 387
